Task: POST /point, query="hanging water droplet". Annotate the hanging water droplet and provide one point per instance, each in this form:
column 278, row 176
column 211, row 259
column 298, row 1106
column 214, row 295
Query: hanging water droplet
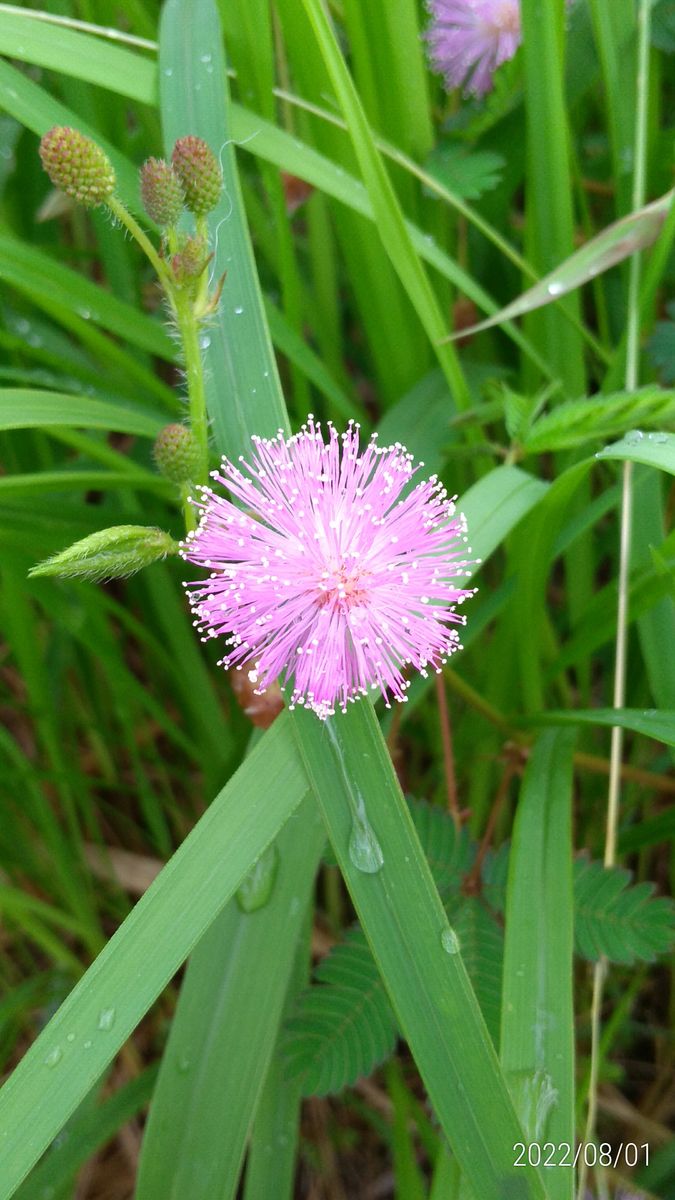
column 555, row 288
column 450, row 941
column 106, row 1019
column 54, row 1057
column 205, row 341
column 256, row 888
column 364, row 849
column 659, row 438
column 634, row 436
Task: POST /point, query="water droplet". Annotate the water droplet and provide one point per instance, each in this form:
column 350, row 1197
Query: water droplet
column 106, row 1019
column 54, row 1057
column 256, row 888
column 450, row 941
column 634, row 436
column 84, row 313
column 555, row 288
column 184, row 1063
column 659, row 438
column 205, row 341
column 295, row 906
column 364, row 849
column 70, row 1037
column 238, row 310
column 205, row 58
column 168, row 71
column 87, row 1044
column 649, row 712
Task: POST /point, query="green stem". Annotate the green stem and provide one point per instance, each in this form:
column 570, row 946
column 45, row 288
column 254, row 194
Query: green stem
column 124, row 216
column 188, row 326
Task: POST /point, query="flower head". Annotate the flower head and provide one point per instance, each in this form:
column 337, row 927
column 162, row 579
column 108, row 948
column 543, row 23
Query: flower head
column 336, row 571
column 469, row 39
column 77, row 165
column 161, row 192
column 199, row 173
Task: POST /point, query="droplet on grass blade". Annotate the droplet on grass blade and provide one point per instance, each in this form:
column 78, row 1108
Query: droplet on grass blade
column 365, row 851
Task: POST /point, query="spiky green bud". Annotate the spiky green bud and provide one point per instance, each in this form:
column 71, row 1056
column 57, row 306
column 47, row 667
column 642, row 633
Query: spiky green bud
column 161, row 192
column 199, row 172
column 191, row 259
column 77, row 166
column 110, row 553
column 176, row 454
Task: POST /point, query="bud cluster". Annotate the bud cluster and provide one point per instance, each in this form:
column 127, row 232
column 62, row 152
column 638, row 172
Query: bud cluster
column 176, row 454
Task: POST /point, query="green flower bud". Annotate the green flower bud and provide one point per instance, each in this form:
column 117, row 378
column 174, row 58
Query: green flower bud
column 176, row 454
column 161, row 192
column 191, row 259
column 77, row 166
column 110, row 553
column 199, row 172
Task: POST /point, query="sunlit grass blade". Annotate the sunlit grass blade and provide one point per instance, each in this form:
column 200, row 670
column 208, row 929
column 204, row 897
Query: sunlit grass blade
column 98, row 1016
column 416, row 952
column 537, row 1027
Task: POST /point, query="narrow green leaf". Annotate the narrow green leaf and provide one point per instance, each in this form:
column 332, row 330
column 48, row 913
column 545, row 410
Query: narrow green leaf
column 219, row 1050
column 415, row 950
column 537, row 1034
column 128, row 975
column 654, row 723
column 388, row 216
column 610, row 247
column 22, row 408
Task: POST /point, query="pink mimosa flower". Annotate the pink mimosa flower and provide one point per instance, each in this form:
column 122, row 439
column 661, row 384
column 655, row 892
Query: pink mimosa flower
column 469, row 39
column 331, row 572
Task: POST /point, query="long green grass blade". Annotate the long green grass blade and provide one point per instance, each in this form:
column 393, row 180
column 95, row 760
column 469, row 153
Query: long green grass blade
column 91, row 1025
column 537, row 1030
column 388, row 216
column 22, row 408
column 220, row 1045
column 348, row 765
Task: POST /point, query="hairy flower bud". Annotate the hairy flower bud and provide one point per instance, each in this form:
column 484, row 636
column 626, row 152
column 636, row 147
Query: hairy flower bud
column 190, row 260
column 176, row 454
column 161, row 192
column 199, row 172
column 112, row 553
column 77, row 166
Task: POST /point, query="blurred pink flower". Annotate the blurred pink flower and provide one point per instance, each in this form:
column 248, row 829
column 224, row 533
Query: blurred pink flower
column 332, row 572
column 469, row 39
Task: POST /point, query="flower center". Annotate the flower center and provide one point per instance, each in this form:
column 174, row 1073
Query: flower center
column 343, row 588
column 506, row 18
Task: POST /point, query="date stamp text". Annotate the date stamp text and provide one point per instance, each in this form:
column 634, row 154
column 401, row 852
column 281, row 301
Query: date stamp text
column 562, row 1154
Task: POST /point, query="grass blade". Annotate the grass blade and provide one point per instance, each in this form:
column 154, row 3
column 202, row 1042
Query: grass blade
column 537, row 1031
column 404, row 921
column 95, row 1020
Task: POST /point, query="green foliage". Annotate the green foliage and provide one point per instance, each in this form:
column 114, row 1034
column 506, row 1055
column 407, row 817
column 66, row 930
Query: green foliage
column 343, row 1027
column 579, row 421
column 466, row 174
column 623, row 922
